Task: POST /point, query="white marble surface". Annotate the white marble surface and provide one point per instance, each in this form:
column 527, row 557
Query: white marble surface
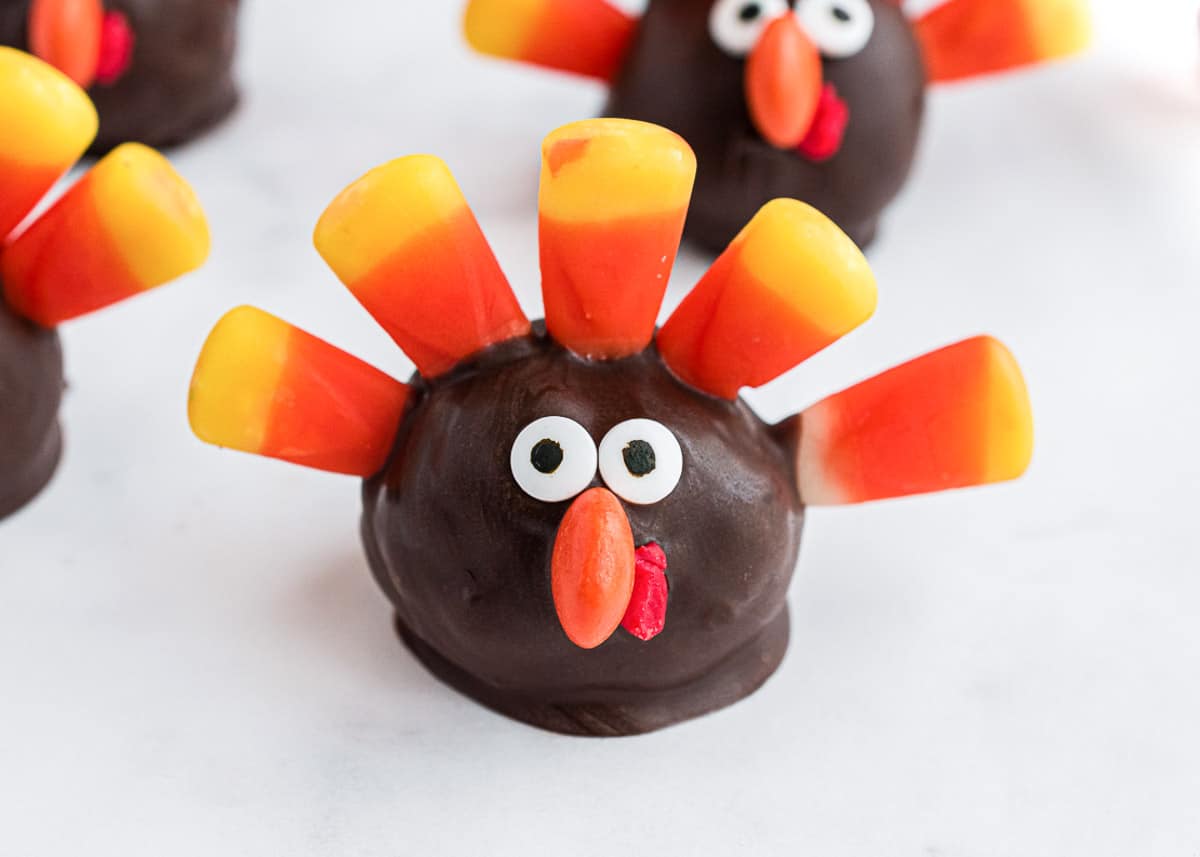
column 193, row 660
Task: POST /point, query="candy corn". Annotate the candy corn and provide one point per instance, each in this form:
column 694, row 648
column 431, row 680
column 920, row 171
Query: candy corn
column 47, row 123
column 265, row 387
column 614, row 196
column 951, row 419
column 131, row 224
column 407, row 246
column 789, row 285
column 965, row 38
column 587, row 37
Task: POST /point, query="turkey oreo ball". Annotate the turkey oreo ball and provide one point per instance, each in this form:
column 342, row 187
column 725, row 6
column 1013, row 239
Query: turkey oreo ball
column 159, row 71
column 817, row 100
column 578, row 521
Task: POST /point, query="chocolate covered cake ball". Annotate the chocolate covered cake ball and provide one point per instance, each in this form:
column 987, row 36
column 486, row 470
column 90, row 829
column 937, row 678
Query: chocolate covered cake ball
column 819, row 100
column 128, row 225
column 579, row 522
column 159, row 71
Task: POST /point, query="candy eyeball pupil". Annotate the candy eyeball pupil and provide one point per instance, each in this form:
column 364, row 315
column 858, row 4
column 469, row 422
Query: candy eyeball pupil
column 546, row 456
column 639, row 458
column 750, row 12
column 840, row 14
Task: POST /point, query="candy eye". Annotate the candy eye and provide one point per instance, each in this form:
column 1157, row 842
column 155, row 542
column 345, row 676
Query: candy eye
column 735, row 25
column 640, row 460
column 840, row 28
column 553, row 459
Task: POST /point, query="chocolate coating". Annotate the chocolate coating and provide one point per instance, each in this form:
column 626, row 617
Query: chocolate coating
column 464, row 553
column 31, row 386
column 676, row 76
column 181, row 79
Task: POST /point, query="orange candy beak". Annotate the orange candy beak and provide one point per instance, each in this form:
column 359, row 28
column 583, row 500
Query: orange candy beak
column 67, row 34
column 592, row 569
column 783, row 83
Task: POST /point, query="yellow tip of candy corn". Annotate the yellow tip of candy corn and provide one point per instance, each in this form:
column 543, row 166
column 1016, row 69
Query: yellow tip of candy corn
column 502, row 28
column 384, row 210
column 1010, row 417
column 235, row 380
column 46, row 118
column 1054, row 28
column 151, row 213
column 610, row 169
column 808, row 262
column 46, row 124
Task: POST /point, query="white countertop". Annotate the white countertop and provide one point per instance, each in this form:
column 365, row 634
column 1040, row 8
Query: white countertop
column 194, row 660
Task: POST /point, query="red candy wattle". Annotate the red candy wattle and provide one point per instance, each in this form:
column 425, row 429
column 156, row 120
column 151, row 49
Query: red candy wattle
column 646, row 615
column 828, row 130
column 116, row 49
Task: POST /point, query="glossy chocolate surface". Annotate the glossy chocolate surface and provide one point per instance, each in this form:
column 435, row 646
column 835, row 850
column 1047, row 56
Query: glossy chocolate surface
column 676, row 76
column 180, row 81
column 31, row 386
column 464, row 553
